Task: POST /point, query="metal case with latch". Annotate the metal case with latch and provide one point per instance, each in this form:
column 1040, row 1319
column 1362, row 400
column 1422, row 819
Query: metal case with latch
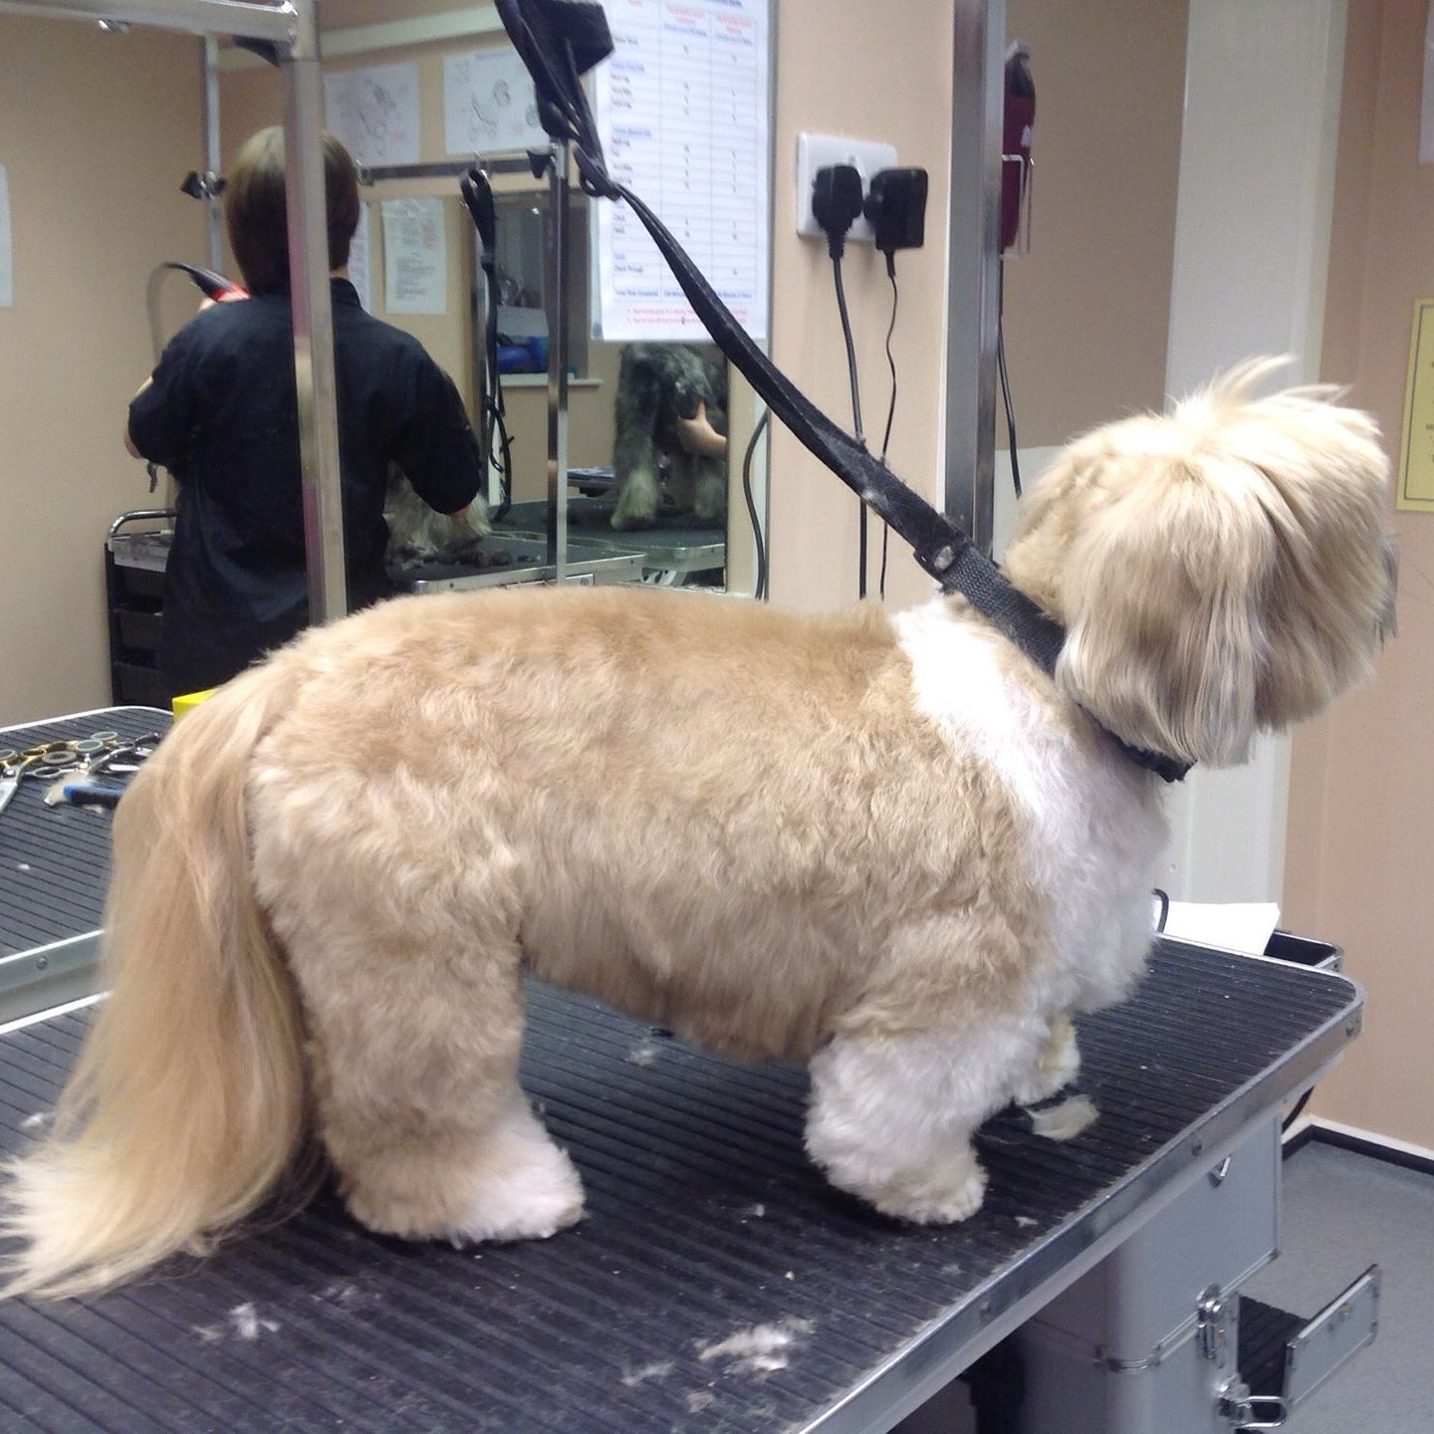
column 1150, row 1341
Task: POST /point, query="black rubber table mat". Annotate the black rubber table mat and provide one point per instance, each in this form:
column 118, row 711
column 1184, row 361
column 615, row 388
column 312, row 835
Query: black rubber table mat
column 592, row 517
column 703, row 1219
column 54, row 861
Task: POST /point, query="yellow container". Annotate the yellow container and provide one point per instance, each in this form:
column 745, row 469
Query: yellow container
column 184, row 704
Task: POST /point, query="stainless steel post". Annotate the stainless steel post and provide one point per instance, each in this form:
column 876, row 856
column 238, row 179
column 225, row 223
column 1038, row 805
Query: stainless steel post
column 212, row 159
column 557, row 307
column 313, row 320
column 973, row 263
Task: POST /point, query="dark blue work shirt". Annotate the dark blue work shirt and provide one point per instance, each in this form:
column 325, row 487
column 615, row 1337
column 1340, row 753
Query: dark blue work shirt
column 222, row 416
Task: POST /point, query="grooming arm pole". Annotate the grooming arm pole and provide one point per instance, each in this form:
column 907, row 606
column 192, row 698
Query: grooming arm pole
column 209, row 62
column 557, row 258
column 973, row 265
column 313, row 322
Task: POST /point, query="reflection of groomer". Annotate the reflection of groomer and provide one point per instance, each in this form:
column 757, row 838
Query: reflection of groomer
column 220, row 413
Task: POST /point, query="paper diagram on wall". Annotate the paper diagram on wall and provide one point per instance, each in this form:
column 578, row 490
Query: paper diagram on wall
column 489, row 104
column 374, row 111
column 681, row 105
column 415, row 257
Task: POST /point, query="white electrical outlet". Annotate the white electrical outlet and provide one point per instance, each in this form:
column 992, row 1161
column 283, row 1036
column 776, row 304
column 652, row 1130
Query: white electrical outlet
column 816, row 151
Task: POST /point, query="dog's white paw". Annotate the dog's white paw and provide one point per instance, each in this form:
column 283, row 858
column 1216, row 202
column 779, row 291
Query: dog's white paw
column 638, row 499
column 524, row 1187
column 940, row 1192
column 530, row 1201
column 511, row 1183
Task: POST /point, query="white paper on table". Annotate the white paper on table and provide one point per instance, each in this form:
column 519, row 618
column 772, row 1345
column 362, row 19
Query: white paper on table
column 361, row 261
column 682, row 110
column 415, row 257
column 374, row 112
column 1233, row 926
column 489, row 103
column 7, row 253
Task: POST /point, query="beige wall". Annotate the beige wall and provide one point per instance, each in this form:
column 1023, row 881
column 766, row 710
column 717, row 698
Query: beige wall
column 866, row 72
column 1363, row 780
column 96, row 132
column 1088, row 309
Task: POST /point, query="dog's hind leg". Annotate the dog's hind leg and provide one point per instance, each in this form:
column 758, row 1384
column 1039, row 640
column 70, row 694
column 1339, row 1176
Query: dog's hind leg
column 415, row 1023
column 892, row 1117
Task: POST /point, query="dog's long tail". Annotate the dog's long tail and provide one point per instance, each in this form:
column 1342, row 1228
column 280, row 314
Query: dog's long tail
column 188, row 1102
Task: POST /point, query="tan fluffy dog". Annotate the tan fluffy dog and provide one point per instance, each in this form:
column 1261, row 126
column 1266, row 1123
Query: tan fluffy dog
column 893, row 848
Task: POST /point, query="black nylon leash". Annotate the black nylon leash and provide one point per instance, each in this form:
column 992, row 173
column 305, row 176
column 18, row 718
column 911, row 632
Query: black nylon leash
column 558, row 41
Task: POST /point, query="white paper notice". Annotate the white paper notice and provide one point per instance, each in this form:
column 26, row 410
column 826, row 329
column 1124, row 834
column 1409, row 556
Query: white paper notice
column 7, row 253
column 374, row 112
column 489, row 104
column 1233, row 926
column 682, row 111
column 415, row 257
column 361, row 261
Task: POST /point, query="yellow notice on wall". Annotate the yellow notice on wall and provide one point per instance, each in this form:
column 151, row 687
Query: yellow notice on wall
column 1416, row 459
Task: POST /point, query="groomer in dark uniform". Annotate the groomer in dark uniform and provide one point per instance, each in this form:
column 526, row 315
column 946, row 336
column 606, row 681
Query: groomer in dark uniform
column 220, row 413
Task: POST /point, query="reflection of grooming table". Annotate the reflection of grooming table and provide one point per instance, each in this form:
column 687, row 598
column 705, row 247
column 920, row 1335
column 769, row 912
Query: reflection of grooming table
column 703, row 1218
column 593, row 564
column 675, row 544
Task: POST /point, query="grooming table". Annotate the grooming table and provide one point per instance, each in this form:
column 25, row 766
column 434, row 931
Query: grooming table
column 675, row 545
column 590, row 564
column 704, row 1219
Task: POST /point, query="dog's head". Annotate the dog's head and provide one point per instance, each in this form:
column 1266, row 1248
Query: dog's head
column 1219, row 571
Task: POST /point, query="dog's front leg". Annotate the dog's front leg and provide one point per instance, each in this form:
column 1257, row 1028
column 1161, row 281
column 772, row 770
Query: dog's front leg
column 710, row 497
column 1058, row 1065
column 892, row 1116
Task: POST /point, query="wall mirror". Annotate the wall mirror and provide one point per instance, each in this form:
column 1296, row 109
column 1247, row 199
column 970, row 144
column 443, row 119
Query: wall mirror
column 657, row 428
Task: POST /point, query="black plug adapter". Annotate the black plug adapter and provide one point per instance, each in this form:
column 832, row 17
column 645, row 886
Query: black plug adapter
column 836, row 203
column 896, row 209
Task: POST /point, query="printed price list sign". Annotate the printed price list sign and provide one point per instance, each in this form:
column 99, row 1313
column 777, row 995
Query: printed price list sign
column 682, row 107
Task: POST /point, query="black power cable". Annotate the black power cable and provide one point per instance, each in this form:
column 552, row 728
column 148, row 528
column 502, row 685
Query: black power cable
column 890, row 410
column 760, row 590
column 836, row 205
column 1006, row 378
column 850, row 350
column 857, row 433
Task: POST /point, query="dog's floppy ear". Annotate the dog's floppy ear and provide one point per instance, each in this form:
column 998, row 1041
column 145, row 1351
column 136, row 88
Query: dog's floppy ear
column 1162, row 591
